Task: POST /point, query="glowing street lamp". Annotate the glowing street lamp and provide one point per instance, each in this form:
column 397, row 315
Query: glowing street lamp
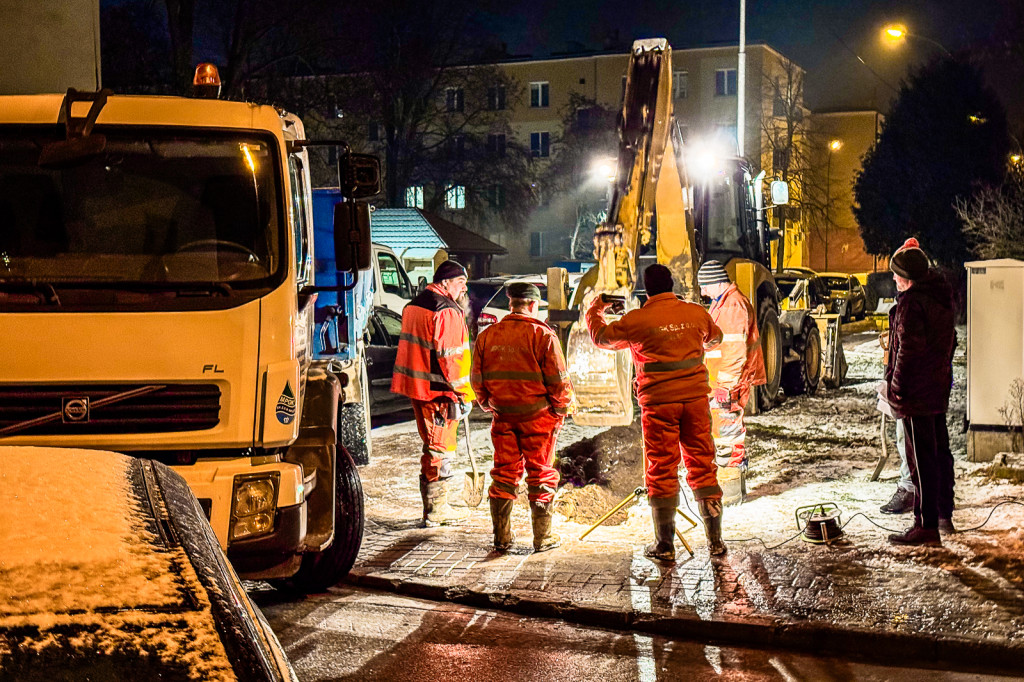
column 835, row 145
column 896, row 33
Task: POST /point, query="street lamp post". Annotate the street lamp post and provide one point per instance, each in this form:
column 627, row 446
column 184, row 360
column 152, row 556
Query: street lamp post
column 833, row 146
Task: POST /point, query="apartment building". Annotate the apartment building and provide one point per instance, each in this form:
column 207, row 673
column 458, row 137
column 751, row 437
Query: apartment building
column 705, row 87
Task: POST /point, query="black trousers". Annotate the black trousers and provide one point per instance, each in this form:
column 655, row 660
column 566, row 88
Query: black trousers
column 931, row 467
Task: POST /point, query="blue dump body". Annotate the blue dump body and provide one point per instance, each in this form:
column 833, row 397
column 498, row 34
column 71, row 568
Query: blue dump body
column 336, row 335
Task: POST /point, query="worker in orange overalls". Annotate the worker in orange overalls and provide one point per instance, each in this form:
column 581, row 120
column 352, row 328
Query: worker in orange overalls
column 667, row 338
column 734, row 368
column 519, row 375
column 432, row 369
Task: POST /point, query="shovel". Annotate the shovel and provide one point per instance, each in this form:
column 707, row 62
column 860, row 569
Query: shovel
column 473, row 486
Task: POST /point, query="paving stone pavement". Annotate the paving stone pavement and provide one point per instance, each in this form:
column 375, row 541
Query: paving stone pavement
column 925, row 604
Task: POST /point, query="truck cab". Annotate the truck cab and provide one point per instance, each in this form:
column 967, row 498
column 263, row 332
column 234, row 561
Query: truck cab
column 157, row 297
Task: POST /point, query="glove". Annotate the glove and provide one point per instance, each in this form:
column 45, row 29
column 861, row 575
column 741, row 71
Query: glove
column 462, row 409
column 722, row 398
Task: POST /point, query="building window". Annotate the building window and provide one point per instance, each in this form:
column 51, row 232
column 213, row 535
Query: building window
column 376, row 132
column 680, row 84
column 496, row 98
column 496, row 144
column 539, row 94
column 414, row 196
column 725, row 82
column 540, row 145
column 456, row 145
column 536, row 244
column 455, row 197
column 779, row 107
column 496, row 196
column 455, row 99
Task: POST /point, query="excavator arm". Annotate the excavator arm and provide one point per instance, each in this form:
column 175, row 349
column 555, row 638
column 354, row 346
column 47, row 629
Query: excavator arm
column 650, row 178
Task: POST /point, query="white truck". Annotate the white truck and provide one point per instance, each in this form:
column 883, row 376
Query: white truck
column 156, row 298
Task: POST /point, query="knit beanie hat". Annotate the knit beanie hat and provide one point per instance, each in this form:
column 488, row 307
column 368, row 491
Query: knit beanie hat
column 909, row 261
column 524, row 290
column 712, row 272
column 449, row 270
column 657, row 279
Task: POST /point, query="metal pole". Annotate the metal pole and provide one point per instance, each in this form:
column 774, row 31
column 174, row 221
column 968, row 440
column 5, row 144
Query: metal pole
column 828, row 202
column 741, row 79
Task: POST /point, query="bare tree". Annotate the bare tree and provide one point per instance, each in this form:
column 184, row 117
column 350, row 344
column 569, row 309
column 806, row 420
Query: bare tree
column 588, row 141
column 993, row 218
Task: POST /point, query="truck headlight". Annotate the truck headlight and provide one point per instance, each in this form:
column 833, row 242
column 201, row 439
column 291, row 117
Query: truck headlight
column 253, row 504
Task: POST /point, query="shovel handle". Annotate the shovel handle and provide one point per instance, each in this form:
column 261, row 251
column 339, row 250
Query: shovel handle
column 469, row 447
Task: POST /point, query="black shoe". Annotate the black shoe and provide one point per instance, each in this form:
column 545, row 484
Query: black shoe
column 916, row 535
column 946, row 527
column 902, row 502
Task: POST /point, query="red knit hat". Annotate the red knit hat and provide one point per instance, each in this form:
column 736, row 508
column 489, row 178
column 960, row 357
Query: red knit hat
column 909, row 261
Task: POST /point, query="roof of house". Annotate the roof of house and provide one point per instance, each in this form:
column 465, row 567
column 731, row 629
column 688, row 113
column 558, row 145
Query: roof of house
column 412, row 232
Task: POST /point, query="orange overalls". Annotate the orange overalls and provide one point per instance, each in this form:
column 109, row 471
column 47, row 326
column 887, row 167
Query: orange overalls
column 736, row 365
column 432, row 369
column 519, row 375
column 667, row 338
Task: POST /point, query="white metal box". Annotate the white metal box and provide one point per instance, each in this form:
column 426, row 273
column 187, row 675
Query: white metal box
column 995, row 350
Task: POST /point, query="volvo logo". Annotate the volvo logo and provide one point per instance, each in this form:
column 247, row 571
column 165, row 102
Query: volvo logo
column 75, row 410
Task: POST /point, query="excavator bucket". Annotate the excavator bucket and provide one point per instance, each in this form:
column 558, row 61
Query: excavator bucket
column 603, row 379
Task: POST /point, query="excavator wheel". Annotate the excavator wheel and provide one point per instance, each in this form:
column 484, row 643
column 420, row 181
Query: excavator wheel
column 803, row 375
column 771, row 349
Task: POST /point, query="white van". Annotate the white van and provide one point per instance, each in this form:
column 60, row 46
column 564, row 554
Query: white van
column 391, row 286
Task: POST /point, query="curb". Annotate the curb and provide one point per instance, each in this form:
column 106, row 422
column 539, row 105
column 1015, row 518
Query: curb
column 819, row 639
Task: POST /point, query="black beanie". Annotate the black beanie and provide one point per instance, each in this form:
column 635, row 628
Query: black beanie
column 909, row 261
column 449, row 270
column 657, row 279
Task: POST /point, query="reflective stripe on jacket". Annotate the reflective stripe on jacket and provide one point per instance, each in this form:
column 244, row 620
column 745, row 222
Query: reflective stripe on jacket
column 741, row 363
column 433, row 350
column 667, row 338
column 519, row 369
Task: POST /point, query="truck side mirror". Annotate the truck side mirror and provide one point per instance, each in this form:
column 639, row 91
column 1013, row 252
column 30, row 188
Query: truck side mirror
column 780, row 192
column 359, row 175
column 352, row 236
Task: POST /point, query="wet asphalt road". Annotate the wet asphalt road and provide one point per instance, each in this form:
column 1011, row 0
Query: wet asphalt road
column 356, row 634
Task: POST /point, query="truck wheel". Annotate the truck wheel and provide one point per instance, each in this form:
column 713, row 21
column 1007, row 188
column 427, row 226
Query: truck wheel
column 354, row 424
column 803, row 375
column 771, row 349
column 324, row 569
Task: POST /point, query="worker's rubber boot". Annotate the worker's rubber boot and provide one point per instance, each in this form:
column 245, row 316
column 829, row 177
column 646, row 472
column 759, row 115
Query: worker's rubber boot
column 436, row 510
column 663, row 513
column 543, row 538
column 501, row 518
column 711, row 513
column 733, row 482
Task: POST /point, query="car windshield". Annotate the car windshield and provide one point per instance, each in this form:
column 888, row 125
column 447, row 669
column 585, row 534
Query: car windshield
column 500, row 299
column 155, row 207
column 837, row 283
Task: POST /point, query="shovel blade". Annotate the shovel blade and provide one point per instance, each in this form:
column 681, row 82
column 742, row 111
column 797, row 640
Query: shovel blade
column 473, row 489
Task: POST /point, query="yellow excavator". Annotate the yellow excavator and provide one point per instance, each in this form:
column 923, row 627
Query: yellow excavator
column 691, row 216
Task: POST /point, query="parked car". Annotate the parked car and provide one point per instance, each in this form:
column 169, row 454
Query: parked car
column 109, row 570
column 810, row 286
column 497, row 308
column 480, row 292
column 381, row 350
column 847, row 295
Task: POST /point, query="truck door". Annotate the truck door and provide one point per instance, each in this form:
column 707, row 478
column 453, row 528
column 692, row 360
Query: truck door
column 395, row 290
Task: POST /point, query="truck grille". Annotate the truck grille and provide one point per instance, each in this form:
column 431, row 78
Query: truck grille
column 171, row 407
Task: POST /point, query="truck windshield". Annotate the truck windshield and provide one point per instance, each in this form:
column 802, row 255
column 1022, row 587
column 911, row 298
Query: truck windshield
column 158, row 209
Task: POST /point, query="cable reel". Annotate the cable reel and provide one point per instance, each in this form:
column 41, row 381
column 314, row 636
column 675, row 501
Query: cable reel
column 821, row 523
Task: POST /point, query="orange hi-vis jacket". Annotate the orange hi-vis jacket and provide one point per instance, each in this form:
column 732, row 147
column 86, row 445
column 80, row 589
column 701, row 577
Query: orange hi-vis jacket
column 519, row 370
column 433, row 349
column 667, row 338
column 738, row 362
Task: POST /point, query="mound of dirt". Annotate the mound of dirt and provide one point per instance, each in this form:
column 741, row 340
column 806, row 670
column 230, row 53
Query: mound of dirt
column 612, row 459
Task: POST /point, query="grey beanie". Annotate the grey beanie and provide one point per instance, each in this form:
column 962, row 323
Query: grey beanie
column 712, row 272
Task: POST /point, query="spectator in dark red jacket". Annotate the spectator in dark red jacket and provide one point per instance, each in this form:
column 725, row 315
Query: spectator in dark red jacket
column 918, row 379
